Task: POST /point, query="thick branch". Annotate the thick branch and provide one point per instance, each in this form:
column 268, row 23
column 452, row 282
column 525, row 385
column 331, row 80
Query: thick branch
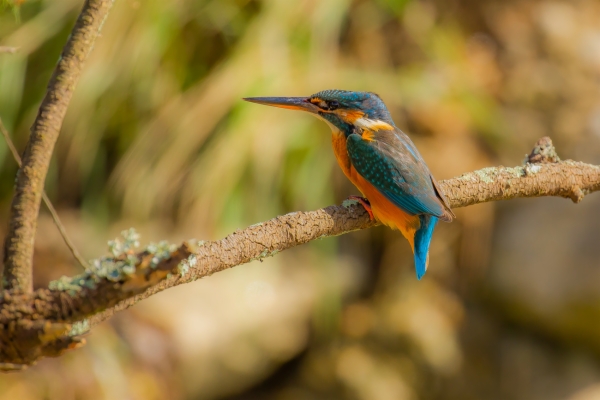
column 97, row 295
column 18, row 252
column 565, row 179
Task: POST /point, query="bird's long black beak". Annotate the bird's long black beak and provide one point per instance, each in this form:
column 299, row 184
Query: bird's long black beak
column 292, row 103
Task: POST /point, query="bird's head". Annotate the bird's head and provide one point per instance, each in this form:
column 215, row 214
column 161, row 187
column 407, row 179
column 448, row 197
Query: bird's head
column 345, row 110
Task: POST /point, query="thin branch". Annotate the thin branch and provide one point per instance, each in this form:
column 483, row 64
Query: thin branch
column 47, row 202
column 18, row 248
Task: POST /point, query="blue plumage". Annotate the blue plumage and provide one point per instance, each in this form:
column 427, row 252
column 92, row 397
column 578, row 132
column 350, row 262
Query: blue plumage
column 394, row 167
column 422, row 241
column 395, row 181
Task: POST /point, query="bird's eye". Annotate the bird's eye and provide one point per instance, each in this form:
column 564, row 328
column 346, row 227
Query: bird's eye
column 333, row 105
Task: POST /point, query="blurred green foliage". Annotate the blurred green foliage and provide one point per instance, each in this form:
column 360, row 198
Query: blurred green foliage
column 12, row 5
column 157, row 122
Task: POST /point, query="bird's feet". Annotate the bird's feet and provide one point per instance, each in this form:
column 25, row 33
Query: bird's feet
column 365, row 203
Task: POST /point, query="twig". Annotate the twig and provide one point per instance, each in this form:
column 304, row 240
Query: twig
column 18, row 249
column 53, row 213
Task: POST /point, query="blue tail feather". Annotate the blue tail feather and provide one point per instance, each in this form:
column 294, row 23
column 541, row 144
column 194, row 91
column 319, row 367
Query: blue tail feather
column 422, row 240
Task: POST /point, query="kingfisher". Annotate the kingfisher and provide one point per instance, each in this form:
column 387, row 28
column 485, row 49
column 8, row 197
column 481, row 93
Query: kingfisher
column 381, row 161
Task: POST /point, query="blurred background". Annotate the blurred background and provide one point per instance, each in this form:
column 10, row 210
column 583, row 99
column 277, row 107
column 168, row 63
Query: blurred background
column 157, row 138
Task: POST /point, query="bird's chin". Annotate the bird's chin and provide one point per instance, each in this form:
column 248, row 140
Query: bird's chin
column 334, row 128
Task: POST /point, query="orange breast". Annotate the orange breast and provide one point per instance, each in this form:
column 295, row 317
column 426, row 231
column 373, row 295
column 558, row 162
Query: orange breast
column 383, row 209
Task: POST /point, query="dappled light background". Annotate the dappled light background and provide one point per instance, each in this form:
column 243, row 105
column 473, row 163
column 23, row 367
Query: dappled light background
column 158, row 138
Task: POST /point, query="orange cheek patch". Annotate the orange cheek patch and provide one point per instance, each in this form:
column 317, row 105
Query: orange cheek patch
column 318, row 102
column 350, row 116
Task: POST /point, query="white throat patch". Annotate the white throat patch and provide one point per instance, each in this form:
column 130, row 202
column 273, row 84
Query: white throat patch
column 372, row 124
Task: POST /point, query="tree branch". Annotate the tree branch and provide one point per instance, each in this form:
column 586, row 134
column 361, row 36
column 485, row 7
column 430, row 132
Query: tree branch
column 18, row 249
column 43, row 318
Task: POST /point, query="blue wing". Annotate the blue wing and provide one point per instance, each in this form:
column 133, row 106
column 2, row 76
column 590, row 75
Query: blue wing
column 392, row 164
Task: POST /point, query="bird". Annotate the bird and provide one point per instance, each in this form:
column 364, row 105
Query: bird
column 381, row 161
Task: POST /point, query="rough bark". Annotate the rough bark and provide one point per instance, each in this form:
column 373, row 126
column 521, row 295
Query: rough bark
column 18, row 248
column 38, row 324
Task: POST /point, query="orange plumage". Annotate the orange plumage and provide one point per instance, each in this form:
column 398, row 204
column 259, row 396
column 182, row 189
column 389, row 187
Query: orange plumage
column 383, row 209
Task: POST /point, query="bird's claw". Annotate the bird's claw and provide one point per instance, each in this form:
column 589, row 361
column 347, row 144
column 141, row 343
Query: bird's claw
column 365, row 203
